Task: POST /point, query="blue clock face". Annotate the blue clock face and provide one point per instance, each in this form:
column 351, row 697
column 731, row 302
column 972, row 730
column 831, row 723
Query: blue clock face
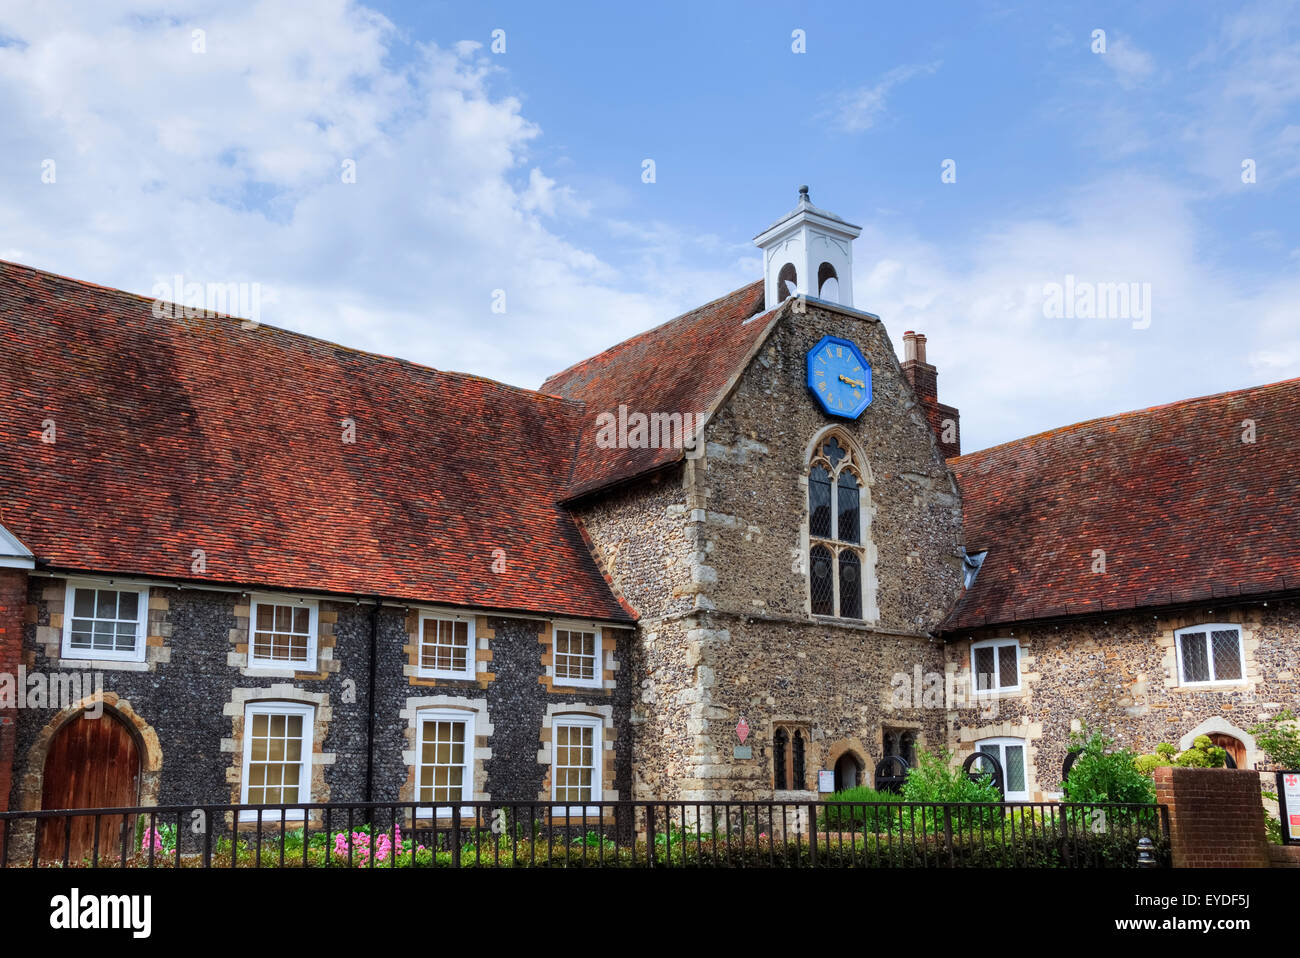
column 839, row 377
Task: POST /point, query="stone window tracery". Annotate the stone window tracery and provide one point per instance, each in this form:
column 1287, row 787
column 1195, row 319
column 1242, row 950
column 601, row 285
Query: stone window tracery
column 836, row 551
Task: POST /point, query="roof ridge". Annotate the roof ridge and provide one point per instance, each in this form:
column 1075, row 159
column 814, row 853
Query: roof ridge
column 653, row 329
column 298, row 335
column 1112, row 417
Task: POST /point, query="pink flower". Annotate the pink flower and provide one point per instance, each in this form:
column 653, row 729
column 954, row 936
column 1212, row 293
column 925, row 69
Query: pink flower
column 157, row 840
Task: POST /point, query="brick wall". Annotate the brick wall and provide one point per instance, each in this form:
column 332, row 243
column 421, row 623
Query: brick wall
column 1216, row 817
column 13, row 602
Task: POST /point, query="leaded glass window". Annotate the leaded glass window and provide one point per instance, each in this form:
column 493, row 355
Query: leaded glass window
column 789, row 763
column 836, row 556
column 1010, row 753
column 847, row 499
column 996, row 665
column 780, row 742
column 1210, row 653
column 823, row 584
column 819, row 503
column 850, row 585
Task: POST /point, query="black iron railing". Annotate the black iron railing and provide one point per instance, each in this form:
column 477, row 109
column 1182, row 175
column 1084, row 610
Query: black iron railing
column 600, row 834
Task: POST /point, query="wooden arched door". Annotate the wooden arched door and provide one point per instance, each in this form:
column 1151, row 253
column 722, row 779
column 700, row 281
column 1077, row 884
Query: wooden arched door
column 92, row 763
column 1233, row 746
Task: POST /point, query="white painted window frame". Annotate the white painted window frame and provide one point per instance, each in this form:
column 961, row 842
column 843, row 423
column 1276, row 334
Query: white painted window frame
column 1208, row 628
column 308, row 713
column 1002, row 743
column 598, row 761
column 313, row 632
column 471, row 656
column 997, row 645
column 598, row 679
column 465, row 717
column 137, row 654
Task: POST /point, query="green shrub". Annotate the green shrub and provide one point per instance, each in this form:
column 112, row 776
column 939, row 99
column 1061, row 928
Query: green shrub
column 1279, row 737
column 1102, row 773
column 863, row 817
column 1163, row 755
column 1202, row 754
column 935, row 779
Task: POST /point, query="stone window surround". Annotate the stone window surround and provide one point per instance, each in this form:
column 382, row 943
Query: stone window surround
column 1167, row 629
column 900, row 726
column 607, row 642
column 425, row 670
column 308, row 713
column 866, row 511
column 49, row 637
column 480, row 748
column 812, row 753
column 986, row 700
column 1207, row 628
column 325, row 617
column 995, row 643
column 137, row 652
column 235, row 709
column 1003, row 742
column 1030, row 732
column 586, row 710
column 482, row 635
column 312, row 606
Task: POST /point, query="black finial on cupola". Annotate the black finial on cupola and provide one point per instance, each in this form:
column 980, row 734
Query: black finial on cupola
column 803, row 192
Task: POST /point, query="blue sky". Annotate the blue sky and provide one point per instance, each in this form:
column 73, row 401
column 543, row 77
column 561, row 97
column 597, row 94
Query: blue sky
column 521, row 171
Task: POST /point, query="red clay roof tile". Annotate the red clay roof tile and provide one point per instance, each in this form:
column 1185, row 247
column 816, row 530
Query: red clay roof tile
column 1182, row 507
column 683, row 366
column 176, row 435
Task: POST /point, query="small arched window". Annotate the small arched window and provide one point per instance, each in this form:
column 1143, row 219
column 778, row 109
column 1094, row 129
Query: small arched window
column 789, row 769
column 787, row 281
column 907, row 748
column 836, row 553
column 828, row 283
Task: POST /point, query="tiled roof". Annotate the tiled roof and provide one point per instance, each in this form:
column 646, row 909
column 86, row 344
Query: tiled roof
column 1184, row 510
column 684, row 366
column 177, row 435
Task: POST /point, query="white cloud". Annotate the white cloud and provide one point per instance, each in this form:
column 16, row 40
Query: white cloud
column 1013, row 371
column 856, row 111
column 231, row 171
column 1131, row 64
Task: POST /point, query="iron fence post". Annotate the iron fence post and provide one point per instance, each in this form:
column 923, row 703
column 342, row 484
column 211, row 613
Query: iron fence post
column 650, row 835
column 812, row 835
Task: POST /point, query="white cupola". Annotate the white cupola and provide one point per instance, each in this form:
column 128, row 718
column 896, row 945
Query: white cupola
column 810, row 252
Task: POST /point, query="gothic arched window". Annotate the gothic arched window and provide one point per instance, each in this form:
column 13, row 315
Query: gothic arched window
column 836, row 550
column 789, row 768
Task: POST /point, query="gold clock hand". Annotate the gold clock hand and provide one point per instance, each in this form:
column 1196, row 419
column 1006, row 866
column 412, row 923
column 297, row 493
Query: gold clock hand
column 852, row 382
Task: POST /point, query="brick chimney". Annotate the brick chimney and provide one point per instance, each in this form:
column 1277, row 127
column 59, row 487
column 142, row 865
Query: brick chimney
column 945, row 421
